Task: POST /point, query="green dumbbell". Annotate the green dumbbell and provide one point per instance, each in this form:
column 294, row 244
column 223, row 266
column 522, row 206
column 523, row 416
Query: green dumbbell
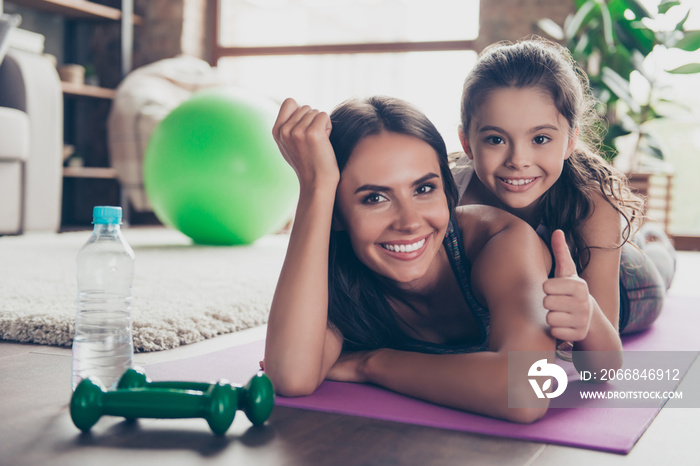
column 256, row 399
column 91, row 400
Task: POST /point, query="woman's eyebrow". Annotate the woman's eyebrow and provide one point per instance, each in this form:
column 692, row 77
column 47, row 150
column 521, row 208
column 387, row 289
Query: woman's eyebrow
column 425, row 178
column 374, row 187
column 371, row 187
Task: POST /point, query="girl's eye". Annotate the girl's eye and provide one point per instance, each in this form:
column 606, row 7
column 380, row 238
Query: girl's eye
column 541, row 139
column 425, row 188
column 373, row 198
column 494, row 140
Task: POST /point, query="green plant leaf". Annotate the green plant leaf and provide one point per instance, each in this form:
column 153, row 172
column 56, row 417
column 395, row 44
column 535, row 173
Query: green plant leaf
column 607, row 25
column 636, row 62
column 634, row 35
column 666, row 5
column 652, row 145
column 690, row 68
column 681, row 23
column 622, row 62
column 628, row 123
column 615, row 131
column 581, row 49
column 551, row 28
column 605, row 96
column 655, row 152
column 581, row 18
column 620, row 87
column 618, row 7
column 652, row 114
column 690, row 41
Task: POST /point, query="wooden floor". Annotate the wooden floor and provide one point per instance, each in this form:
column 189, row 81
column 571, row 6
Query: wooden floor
column 35, row 427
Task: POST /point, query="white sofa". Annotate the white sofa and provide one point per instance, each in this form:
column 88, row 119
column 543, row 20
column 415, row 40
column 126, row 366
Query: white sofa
column 31, row 142
column 143, row 99
column 14, row 134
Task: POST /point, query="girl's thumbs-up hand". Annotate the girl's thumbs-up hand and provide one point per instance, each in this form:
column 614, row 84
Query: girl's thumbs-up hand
column 569, row 303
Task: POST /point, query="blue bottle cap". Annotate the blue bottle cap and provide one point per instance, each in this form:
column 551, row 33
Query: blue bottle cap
column 107, row 215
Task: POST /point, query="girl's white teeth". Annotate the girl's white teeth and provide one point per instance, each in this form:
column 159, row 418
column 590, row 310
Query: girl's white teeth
column 519, row 182
column 404, row 247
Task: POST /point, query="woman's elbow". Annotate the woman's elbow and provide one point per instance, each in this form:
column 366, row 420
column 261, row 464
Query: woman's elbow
column 525, row 408
column 517, row 402
column 526, row 415
column 292, row 384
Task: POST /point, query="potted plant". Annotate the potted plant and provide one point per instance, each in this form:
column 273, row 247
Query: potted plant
column 612, row 40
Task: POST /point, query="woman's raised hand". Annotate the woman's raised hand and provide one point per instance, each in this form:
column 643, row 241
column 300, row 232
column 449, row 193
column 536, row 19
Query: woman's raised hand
column 301, row 133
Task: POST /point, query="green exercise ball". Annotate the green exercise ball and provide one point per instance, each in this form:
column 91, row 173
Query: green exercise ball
column 213, row 171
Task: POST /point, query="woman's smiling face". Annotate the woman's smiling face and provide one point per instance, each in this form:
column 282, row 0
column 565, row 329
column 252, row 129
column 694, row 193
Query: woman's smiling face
column 391, row 202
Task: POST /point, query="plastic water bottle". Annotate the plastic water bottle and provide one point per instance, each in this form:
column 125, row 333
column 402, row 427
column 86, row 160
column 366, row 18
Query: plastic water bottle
column 102, row 346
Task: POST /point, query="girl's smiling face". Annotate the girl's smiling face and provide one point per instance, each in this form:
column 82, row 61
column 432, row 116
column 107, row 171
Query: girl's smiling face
column 392, row 203
column 518, row 141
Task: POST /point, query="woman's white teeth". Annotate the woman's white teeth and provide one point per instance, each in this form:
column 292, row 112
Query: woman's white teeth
column 404, row 247
column 519, row 182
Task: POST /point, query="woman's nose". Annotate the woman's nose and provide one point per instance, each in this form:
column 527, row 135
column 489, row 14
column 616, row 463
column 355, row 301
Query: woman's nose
column 408, row 218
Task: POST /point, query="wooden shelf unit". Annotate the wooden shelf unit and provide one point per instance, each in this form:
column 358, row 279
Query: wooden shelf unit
column 78, row 9
column 84, row 90
column 105, row 173
column 86, row 107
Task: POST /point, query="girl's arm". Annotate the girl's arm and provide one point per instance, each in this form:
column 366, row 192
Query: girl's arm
column 585, row 309
column 507, row 276
column 300, row 348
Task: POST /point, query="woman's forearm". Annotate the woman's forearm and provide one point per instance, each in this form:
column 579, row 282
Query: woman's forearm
column 297, row 326
column 602, row 347
column 475, row 382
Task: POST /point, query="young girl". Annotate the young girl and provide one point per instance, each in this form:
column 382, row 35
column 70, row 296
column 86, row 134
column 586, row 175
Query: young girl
column 418, row 298
column 527, row 127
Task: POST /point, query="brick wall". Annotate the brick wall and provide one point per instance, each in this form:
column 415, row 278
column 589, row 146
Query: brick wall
column 170, row 28
column 515, row 19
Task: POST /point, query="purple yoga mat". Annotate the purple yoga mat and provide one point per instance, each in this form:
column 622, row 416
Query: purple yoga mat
column 607, row 429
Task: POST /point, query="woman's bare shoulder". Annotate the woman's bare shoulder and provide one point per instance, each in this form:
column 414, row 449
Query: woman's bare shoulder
column 481, row 224
column 485, row 217
column 509, row 264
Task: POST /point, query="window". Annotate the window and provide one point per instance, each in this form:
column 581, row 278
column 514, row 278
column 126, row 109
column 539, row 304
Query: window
column 322, row 53
column 318, row 22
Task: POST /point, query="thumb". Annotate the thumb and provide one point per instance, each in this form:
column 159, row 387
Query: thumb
column 329, row 126
column 565, row 265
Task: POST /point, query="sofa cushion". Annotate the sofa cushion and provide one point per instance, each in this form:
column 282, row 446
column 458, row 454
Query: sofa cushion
column 14, row 134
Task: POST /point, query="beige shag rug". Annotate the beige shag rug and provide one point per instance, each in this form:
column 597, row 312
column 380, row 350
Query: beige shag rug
column 182, row 293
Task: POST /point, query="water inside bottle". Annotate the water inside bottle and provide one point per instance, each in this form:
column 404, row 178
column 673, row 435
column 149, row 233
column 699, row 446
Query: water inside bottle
column 102, row 346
